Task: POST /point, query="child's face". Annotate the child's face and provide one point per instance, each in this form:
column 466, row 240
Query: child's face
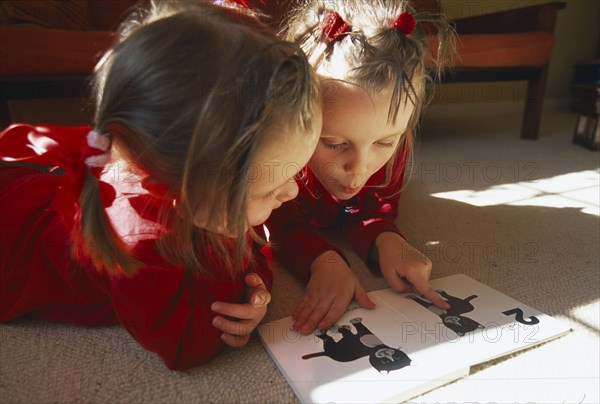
column 272, row 180
column 271, row 177
column 356, row 140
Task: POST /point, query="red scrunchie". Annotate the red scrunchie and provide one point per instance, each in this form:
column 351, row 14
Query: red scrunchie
column 334, row 26
column 64, row 147
column 405, row 23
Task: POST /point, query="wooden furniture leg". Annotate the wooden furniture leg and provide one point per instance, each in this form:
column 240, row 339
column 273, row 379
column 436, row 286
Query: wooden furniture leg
column 534, row 104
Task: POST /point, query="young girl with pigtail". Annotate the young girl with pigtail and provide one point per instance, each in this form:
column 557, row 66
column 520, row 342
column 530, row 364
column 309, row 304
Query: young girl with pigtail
column 202, row 118
column 373, row 60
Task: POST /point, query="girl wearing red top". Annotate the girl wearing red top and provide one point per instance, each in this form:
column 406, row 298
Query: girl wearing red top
column 146, row 219
column 370, row 57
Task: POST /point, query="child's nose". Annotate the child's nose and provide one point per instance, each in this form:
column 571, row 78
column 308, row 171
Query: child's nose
column 288, row 192
column 357, row 164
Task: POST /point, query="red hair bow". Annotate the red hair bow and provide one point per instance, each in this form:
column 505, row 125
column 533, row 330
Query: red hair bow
column 64, row 147
column 405, row 23
column 334, row 26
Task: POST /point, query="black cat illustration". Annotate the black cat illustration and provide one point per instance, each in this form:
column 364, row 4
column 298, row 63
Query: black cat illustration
column 453, row 317
column 364, row 343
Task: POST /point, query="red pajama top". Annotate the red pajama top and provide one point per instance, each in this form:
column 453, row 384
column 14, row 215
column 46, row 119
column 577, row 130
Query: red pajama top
column 295, row 226
column 165, row 308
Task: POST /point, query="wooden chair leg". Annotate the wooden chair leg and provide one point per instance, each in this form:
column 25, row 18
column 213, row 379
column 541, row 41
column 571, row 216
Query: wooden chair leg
column 534, row 104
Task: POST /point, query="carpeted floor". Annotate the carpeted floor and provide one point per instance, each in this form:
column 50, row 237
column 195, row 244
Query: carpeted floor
column 519, row 216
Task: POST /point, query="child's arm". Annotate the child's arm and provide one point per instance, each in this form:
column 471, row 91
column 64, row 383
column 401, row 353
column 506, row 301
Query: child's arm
column 296, row 242
column 245, row 317
column 169, row 311
column 377, row 214
column 373, row 234
column 379, row 243
column 298, row 247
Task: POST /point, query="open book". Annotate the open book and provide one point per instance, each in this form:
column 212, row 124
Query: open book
column 406, row 346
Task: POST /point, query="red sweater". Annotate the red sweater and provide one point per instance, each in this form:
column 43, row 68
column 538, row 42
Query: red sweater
column 165, row 308
column 295, row 226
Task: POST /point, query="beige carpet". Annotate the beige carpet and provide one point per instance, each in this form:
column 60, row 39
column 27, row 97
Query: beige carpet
column 520, row 216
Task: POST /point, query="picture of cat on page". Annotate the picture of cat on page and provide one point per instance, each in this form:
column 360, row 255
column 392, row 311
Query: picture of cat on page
column 452, row 318
column 362, row 344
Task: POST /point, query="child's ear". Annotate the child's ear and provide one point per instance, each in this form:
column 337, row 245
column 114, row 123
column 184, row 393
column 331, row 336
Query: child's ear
column 201, row 217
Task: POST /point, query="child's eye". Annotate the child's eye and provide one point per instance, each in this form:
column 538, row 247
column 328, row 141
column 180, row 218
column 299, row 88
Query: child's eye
column 334, row 146
column 385, row 144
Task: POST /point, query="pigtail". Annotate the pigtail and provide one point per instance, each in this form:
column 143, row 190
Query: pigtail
column 403, row 68
column 417, row 46
column 95, row 237
column 435, row 28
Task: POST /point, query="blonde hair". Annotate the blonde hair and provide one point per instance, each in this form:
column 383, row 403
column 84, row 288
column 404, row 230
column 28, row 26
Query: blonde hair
column 189, row 94
column 377, row 54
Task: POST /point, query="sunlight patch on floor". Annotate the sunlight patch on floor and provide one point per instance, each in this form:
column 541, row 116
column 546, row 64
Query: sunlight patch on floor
column 588, row 315
column 574, row 190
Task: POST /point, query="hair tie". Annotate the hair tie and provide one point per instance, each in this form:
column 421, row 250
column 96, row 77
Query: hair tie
column 405, row 23
column 229, row 3
column 334, row 26
column 100, row 142
column 69, row 148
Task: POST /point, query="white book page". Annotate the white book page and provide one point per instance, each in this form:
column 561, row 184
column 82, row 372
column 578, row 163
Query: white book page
column 405, row 346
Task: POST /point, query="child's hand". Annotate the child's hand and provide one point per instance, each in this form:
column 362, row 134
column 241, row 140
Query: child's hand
column 330, row 289
column 244, row 318
column 406, row 268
